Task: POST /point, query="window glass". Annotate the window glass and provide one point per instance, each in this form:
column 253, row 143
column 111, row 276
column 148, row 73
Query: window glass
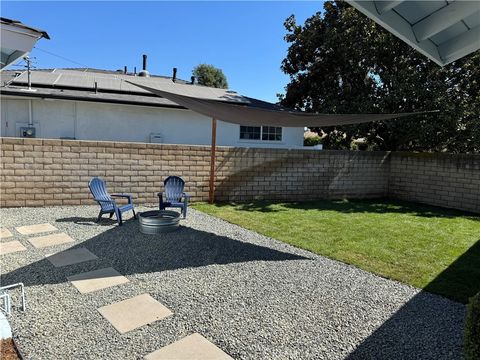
column 271, row 133
column 250, row 132
column 266, row 133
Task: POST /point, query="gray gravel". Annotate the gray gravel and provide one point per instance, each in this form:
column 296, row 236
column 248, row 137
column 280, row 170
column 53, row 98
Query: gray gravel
column 254, row 297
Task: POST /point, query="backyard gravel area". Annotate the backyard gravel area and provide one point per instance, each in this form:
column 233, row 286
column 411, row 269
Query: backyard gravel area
column 252, row 296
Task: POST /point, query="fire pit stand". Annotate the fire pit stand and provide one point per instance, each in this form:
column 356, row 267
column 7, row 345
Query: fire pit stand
column 158, row 221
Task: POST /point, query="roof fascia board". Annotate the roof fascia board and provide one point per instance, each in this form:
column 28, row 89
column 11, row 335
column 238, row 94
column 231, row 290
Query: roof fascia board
column 22, row 30
column 18, row 26
column 398, row 27
column 19, row 40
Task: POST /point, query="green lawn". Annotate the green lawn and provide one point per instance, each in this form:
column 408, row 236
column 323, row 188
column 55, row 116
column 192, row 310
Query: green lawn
column 427, row 247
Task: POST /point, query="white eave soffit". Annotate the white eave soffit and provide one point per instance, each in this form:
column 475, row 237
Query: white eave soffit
column 443, row 30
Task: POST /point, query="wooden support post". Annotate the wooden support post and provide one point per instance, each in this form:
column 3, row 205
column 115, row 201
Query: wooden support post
column 211, row 194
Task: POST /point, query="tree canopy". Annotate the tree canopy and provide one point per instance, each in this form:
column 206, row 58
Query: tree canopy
column 340, row 61
column 209, row 75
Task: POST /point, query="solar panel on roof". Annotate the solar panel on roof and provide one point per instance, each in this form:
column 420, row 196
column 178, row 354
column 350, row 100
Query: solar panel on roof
column 118, row 83
column 37, row 77
column 201, row 92
column 75, row 81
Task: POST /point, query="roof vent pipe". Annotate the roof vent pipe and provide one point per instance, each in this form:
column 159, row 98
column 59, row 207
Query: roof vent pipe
column 144, row 72
column 193, row 80
column 134, row 70
column 125, row 69
column 174, row 77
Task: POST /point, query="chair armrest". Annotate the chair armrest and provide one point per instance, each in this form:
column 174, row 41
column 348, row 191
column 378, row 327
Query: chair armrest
column 186, row 195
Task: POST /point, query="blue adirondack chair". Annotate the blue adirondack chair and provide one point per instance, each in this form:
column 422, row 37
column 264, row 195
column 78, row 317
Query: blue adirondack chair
column 173, row 195
column 107, row 204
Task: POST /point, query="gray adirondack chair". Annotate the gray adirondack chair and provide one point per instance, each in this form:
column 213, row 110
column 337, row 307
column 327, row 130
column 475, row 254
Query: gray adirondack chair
column 107, row 204
column 173, row 195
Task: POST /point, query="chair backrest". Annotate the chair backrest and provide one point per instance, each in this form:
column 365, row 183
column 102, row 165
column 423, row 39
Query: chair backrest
column 99, row 191
column 173, row 188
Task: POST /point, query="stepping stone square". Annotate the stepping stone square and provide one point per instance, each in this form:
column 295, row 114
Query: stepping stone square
column 11, row 247
column 5, row 233
column 35, row 229
column 194, row 346
column 97, row 279
column 70, row 257
column 133, row 313
column 50, row 240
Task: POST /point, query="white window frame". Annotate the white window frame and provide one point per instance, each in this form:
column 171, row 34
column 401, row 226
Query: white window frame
column 260, row 140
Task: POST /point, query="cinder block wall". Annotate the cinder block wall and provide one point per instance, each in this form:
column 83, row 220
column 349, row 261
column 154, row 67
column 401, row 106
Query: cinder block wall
column 437, row 179
column 247, row 174
column 37, row 172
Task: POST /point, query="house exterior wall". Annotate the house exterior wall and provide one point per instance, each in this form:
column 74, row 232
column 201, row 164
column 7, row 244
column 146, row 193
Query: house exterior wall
column 36, row 172
column 81, row 120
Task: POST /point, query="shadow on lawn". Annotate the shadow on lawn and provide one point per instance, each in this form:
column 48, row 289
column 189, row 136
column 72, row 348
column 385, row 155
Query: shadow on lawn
column 129, row 251
column 376, row 206
column 426, row 324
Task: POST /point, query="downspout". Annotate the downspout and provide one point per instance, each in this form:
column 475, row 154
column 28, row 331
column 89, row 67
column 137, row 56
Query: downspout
column 75, row 120
column 211, row 192
column 30, row 113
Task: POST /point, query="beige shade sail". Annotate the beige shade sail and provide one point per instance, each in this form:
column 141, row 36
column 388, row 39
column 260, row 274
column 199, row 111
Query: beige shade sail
column 251, row 115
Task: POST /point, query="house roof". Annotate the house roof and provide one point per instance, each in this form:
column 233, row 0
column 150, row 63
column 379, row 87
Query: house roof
column 111, row 87
column 442, row 30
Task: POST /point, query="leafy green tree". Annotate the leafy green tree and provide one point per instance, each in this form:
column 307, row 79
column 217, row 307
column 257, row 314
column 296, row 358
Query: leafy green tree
column 209, row 75
column 343, row 62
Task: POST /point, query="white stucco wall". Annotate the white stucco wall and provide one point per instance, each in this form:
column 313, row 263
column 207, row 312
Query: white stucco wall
column 98, row 121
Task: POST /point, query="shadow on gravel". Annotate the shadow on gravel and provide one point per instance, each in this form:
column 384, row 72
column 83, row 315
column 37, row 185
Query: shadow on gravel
column 428, row 326
column 131, row 252
column 90, row 221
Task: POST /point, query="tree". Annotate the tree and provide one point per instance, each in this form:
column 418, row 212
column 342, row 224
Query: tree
column 209, row 75
column 343, row 62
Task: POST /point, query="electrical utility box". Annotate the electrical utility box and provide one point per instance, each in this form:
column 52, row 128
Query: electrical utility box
column 156, row 138
column 27, row 131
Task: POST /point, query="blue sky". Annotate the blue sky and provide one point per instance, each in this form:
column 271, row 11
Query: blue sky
column 244, row 39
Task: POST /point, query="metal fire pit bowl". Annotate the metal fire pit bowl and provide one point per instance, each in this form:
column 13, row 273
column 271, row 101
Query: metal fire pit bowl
column 158, row 221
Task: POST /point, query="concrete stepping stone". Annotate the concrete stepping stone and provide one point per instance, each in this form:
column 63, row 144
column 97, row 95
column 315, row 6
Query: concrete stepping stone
column 35, row 229
column 70, row 257
column 11, row 247
column 97, row 279
column 194, row 346
column 133, row 313
column 5, row 233
column 50, row 240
